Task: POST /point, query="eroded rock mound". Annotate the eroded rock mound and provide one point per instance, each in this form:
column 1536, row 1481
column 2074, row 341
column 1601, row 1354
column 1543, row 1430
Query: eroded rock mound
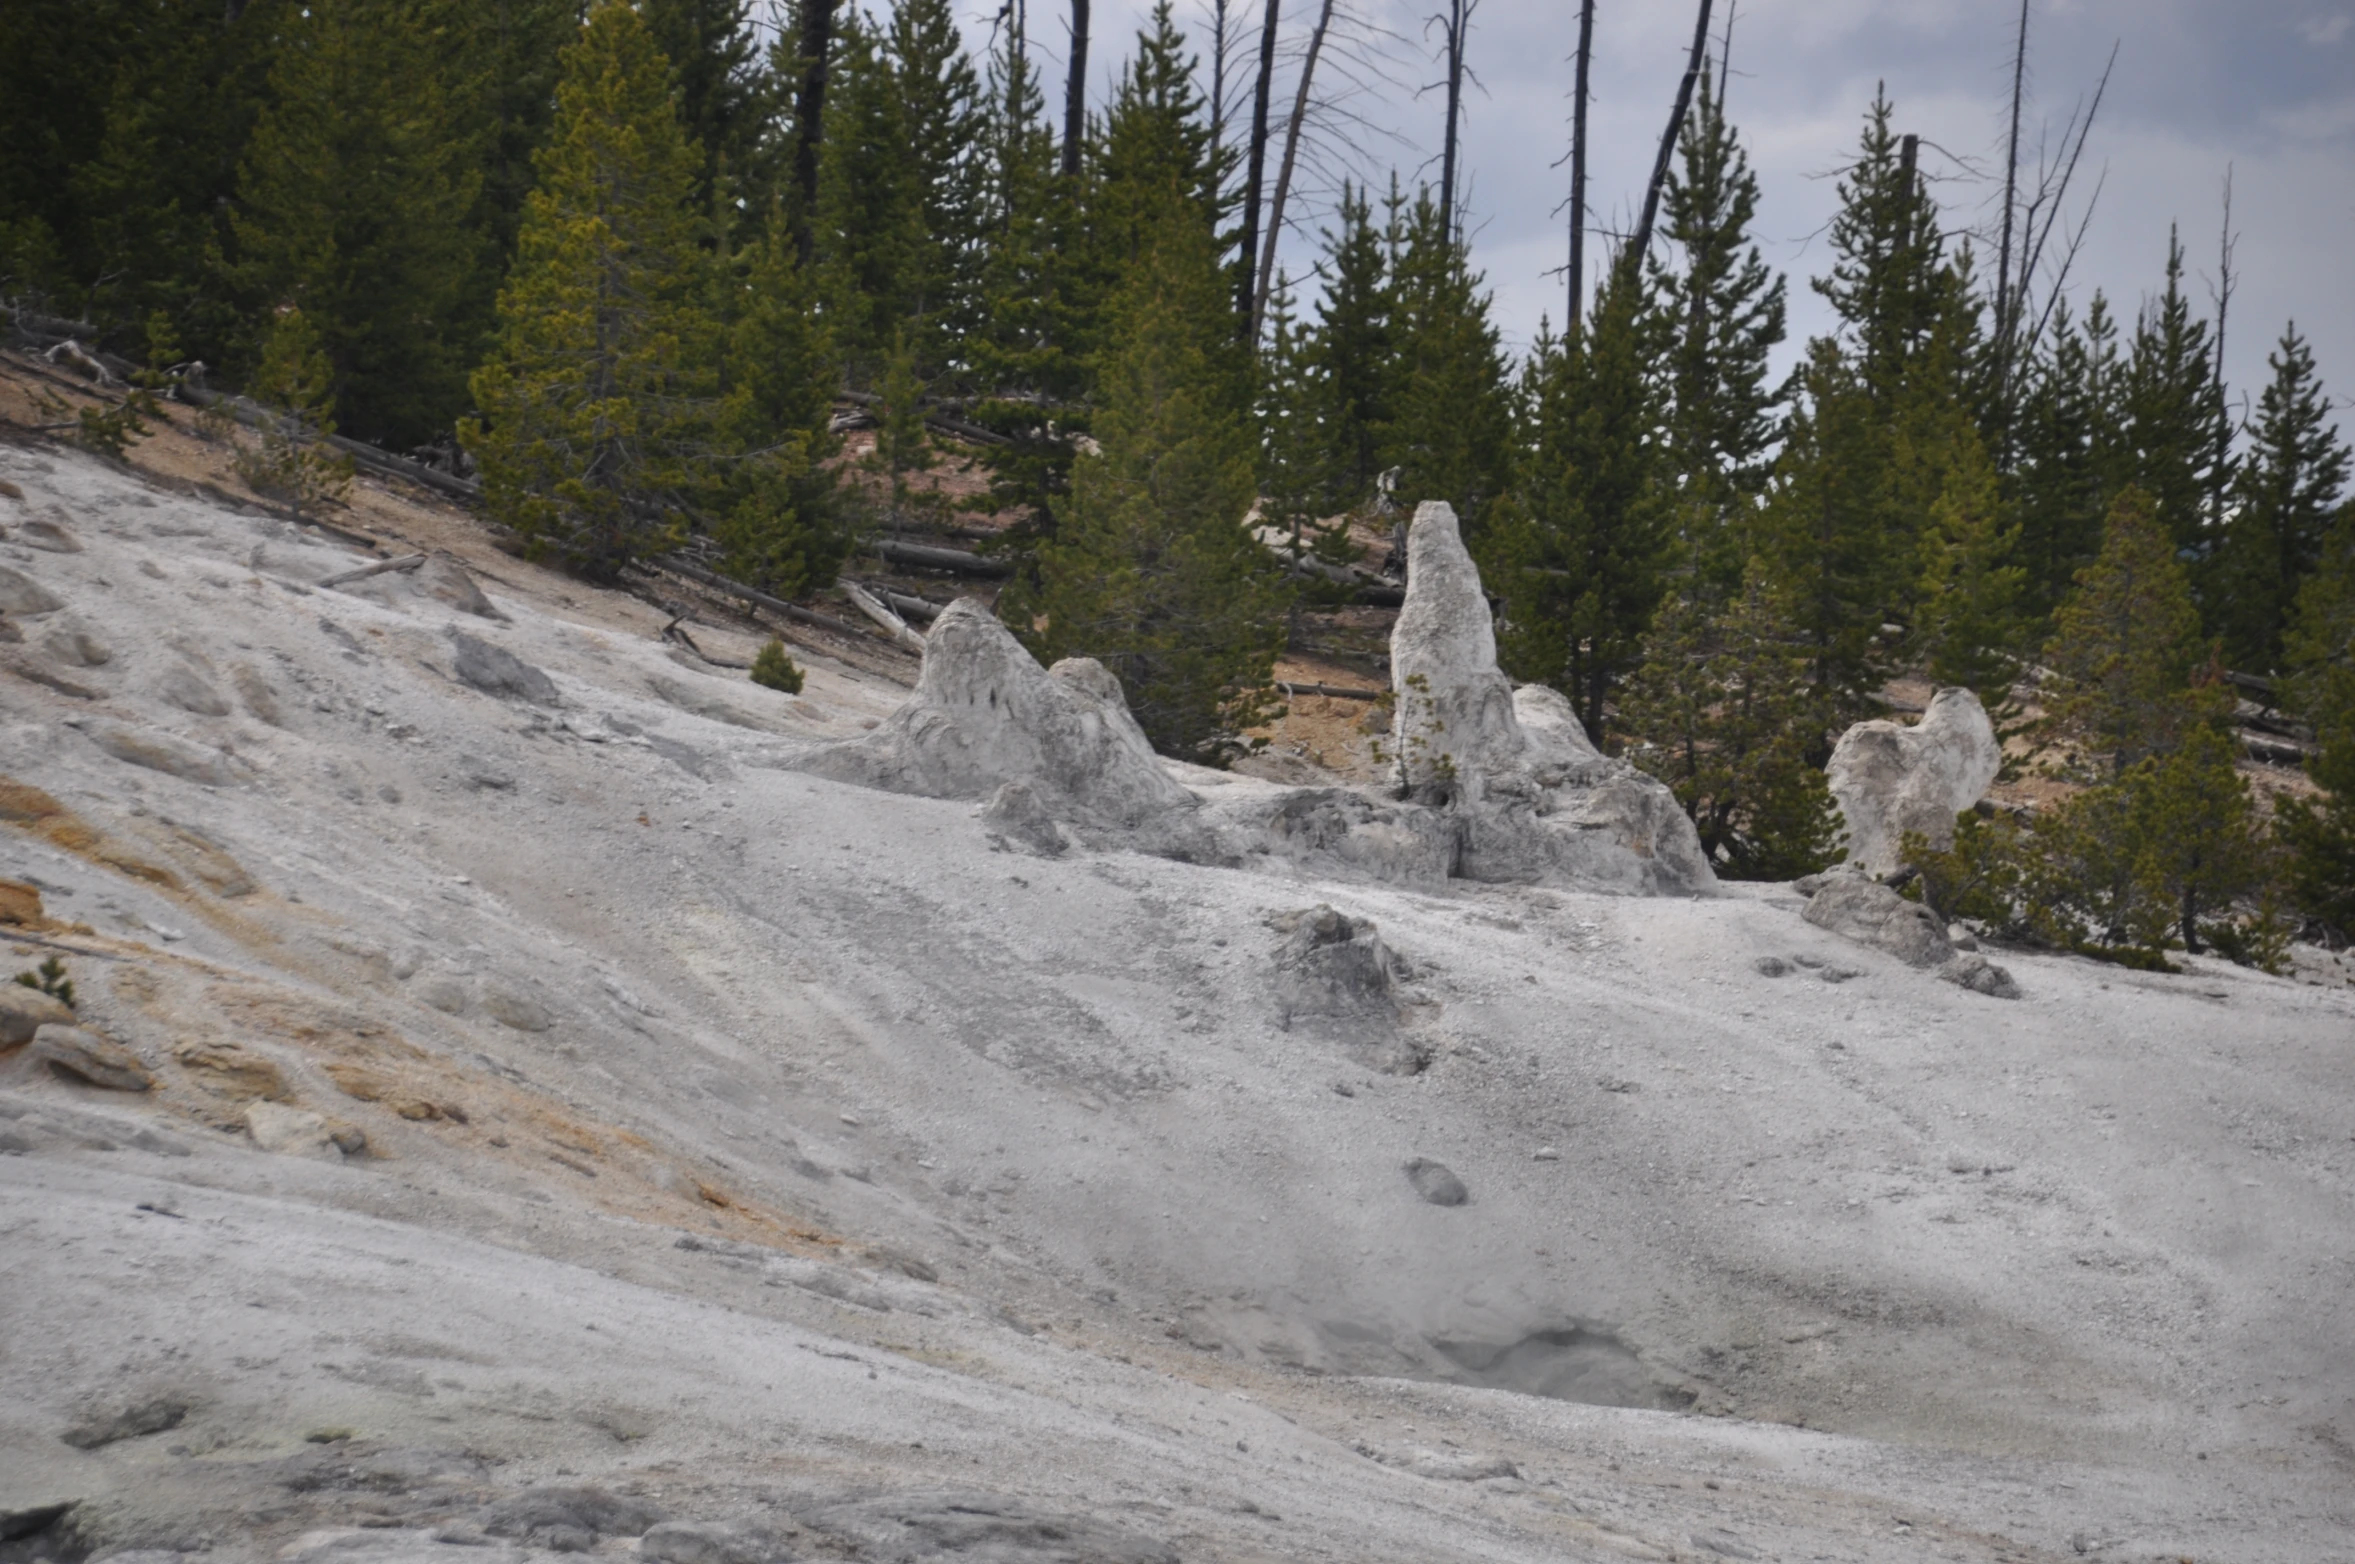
column 1336, row 978
column 1454, row 721
column 1890, row 779
column 1864, row 910
column 985, row 714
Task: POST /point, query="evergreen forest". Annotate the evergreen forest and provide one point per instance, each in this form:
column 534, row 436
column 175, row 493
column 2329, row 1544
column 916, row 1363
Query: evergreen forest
column 622, row 263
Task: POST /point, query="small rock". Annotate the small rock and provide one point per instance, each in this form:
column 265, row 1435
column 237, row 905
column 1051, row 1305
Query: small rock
column 24, row 1011
column 148, row 1417
column 1724, row 1544
column 192, row 692
column 1457, row 1466
column 1961, row 938
column 1770, row 966
column 479, row 773
column 450, row 995
column 1436, row 1183
column 260, row 700
column 291, row 1132
column 162, row 752
column 1546, row 1154
column 496, row 671
column 1975, row 972
column 86, row 1056
column 513, row 1007
column 24, row 597
column 569, row 1519
column 75, row 646
column 1831, row 973
column 445, row 580
column 50, row 537
column 707, row 1542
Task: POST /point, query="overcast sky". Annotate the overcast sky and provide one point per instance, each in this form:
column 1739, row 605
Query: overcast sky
column 2265, row 87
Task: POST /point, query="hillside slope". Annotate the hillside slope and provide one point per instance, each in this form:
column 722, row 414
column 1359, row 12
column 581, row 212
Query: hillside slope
column 724, row 1142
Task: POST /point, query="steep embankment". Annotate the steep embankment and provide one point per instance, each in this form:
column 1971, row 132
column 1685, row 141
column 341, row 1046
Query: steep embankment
column 752, row 1147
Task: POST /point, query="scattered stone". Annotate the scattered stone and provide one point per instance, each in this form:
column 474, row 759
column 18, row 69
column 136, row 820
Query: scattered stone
column 1456, row 1466
column 445, row 580
column 1770, row 966
column 76, row 646
column 226, row 1070
column 496, row 671
column 50, row 537
column 1961, row 938
column 1890, row 779
column 568, row 1519
column 918, row 1528
column 291, row 1132
column 1546, row 1154
column 24, row 1011
column 482, row 774
column 162, row 752
column 1436, row 1183
column 1981, row 976
column 1836, row 974
column 191, row 691
column 985, row 714
column 153, row 1416
column 84, row 1055
column 1724, row 1544
column 1875, row 915
column 261, row 702
column 512, row 1006
column 448, row 993
column 24, row 597
column 1018, row 821
column 709, row 1542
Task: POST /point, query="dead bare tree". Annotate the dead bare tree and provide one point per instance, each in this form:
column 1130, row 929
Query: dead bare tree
column 809, row 115
column 1255, row 170
column 1641, row 244
column 1292, row 134
column 2004, row 300
column 1075, row 92
column 2041, row 217
column 1578, row 102
column 2223, row 296
column 1454, row 24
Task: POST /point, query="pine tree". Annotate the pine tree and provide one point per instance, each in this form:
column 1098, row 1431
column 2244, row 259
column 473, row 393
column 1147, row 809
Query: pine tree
column 2320, row 652
column 775, row 499
column 292, row 463
column 901, row 446
column 1450, row 427
column 1151, row 570
column 2066, row 444
column 1970, row 593
column 1291, row 455
column 1721, row 314
column 2175, row 416
column 1349, row 354
column 1824, row 539
column 1156, row 135
column 600, row 400
column 727, row 100
column 870, row 218
column 2126, row 649
column 940, row 110
column 1581, row 551
column 2288, row 483
column 514, row 47
column 1722, row 711
column 2196, row 847
column 1889, row 284
column 355, row 199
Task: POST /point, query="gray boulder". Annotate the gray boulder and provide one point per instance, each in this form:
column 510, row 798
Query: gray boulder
column 49, row 536
column 567, row 1518
column 87, row 1057
column 77, row 646
column 24, row 597
column 1872, row 914
column 24, row 1011
column 187, row 688
column 445, row 580
column 1437, row 1183
column 1336, row 980
column 985, row 714
column 162, row 752
column 496, row 671
column 1890, row 779
column 1453, row 722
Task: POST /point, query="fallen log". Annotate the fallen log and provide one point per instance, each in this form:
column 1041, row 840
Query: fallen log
column 759, row 599
column 957, row 561
column 866, row 603
column 405, row 562
column 1331, row 691
column 915, row 608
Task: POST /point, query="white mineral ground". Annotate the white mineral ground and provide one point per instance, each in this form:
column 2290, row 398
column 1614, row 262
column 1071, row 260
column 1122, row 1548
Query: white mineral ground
column 1050, row 1233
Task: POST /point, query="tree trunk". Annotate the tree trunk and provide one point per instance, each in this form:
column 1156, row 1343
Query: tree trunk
column 1075, row 92
column 809, row 116
column 1254, row 171
column 1275, row 207
column 2007, row 313
column 1634, row 258
column 1459, row 13
column 1579, row 95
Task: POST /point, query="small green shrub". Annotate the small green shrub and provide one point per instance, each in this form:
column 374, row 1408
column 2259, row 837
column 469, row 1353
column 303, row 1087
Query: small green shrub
column 776, row 671
column 49, row 978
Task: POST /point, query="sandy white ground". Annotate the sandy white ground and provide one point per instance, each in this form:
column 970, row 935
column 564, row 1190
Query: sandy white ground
column 1002, row 1177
